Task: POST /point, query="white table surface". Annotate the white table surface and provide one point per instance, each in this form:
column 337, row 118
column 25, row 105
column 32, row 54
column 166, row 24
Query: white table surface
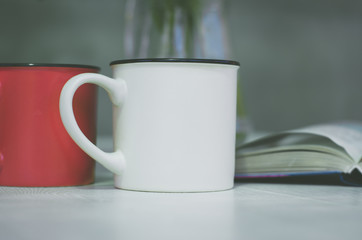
column 249, row 211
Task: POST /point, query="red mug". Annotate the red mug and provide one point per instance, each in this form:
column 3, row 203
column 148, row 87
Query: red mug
column 35, row 148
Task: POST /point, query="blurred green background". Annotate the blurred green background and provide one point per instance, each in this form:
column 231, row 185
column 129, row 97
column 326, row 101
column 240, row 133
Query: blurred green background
column 300, row 59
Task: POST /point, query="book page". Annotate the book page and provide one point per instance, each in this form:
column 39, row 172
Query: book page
column 346, row 134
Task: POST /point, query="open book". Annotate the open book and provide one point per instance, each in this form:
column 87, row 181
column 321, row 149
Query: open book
column 334, row 148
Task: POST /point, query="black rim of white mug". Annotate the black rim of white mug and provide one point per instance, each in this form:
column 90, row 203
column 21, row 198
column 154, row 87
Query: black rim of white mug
column 175, row 60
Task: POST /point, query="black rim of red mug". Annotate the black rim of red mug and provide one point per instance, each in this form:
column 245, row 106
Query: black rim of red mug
column 47, row 65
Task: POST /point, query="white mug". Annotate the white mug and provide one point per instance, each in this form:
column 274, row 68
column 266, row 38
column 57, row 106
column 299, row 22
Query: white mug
column 174, row 123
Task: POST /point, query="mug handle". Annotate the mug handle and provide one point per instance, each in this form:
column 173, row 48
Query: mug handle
column 117, row 91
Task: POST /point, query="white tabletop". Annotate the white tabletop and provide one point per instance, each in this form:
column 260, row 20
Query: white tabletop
column 249, row 211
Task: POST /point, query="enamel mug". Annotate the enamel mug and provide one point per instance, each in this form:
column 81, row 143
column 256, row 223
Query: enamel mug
column 35, row 148
column 174, row 123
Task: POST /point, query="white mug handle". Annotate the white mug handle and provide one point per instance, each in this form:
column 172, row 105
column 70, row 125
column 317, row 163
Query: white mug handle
column 117, row 90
